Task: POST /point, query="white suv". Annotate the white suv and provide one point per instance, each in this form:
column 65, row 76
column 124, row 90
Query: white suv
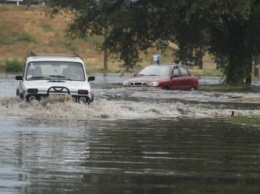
column 60, row 74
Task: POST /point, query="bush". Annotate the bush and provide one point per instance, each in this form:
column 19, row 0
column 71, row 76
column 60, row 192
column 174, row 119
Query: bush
column 6, row 40
column 247, row 120
column 46, row 27
column 2, row 66
column 13, row 65
column 25, row 36
column 6, row 36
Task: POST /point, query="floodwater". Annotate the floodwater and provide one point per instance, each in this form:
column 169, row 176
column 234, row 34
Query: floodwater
column 129, row 141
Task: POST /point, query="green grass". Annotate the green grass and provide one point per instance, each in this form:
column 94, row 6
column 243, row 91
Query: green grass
column 247, row 120
column 95, row 39
column 25, row 36
column 13, row 65
column 225, row 88
column 6, row 40
column 209, row 69
column 212, row 72
column 6, row 36
column 73, row 47
column 3, row 8
column 2, row 66
column 46, row 27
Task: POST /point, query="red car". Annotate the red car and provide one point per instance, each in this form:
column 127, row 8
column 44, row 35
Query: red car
column 164, row 76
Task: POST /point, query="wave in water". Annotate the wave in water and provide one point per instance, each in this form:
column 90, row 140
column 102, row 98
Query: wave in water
column 65, row 108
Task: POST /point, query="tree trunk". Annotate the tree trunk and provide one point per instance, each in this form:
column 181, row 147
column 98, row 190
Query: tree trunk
column 239, row 67
column 105, row 52
column 239, row 70
column 256, row 66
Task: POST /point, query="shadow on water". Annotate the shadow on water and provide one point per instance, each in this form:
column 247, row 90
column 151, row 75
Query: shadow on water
column 177, row 155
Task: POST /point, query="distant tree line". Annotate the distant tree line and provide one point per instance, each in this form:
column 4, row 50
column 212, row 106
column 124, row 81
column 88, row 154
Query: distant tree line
column 23, row 1
column 228, row 30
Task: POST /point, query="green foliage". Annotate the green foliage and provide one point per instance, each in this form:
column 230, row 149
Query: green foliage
column 46, row 27
column 13, row 65
column 248, row 120
column 95, row 39
column 6, row 40
column 2, row 8
column 25, row 36
column 229, row 30
column 2, row 66
column 212, row 72
column 71, row 44
column 6, row 36
column 224, row 88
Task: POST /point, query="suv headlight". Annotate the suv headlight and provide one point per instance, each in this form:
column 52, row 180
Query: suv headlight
column 125, row 83
column 153, row 84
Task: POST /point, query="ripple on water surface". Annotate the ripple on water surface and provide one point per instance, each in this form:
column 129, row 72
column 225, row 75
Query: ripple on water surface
column 65, row 108
column 131, row 155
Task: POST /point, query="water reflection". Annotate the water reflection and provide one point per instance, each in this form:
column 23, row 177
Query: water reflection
column 129, row 156
column 128, row 141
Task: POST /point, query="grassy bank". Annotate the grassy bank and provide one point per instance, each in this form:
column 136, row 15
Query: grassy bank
column 22, row 31
column 246, row 120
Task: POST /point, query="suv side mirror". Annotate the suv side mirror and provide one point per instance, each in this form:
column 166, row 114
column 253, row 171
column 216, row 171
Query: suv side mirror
column 19, row 77
column 91, row 78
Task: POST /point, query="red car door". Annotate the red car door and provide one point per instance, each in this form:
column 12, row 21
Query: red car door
column 176, row 82
column 181, row 79
column 186, row 79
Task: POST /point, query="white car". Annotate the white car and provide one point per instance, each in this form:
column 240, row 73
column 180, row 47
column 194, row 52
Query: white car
column 45, row 74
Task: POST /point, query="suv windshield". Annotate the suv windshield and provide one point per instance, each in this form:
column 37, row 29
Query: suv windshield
column 53, row 70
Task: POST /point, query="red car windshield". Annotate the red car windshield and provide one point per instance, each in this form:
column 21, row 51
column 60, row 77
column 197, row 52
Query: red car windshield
column 155, row 70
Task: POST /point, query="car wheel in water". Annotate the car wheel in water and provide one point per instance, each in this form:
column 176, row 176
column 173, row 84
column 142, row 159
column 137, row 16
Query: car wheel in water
column 83, row 100
column 92, row 98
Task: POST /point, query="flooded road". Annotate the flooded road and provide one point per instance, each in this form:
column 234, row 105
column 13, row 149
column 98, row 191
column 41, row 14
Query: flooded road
column 128, row 141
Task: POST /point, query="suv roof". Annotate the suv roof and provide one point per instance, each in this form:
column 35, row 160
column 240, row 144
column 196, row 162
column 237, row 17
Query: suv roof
column 54, row 57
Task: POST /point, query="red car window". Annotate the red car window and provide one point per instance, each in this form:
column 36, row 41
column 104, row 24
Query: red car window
column 176, row 72
column 184, row 72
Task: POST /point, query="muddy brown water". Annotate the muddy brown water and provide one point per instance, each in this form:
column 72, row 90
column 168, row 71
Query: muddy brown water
column 130, row 141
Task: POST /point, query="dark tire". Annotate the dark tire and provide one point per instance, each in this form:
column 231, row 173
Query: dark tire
column 92, row 98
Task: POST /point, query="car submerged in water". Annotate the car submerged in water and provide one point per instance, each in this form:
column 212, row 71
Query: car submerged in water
column 54, row 74
column 165, row 76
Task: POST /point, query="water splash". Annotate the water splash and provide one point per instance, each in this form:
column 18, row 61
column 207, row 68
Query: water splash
column 64, row 108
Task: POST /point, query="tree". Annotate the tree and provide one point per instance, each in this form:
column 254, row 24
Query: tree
column 232, row 39
column 228, row 30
